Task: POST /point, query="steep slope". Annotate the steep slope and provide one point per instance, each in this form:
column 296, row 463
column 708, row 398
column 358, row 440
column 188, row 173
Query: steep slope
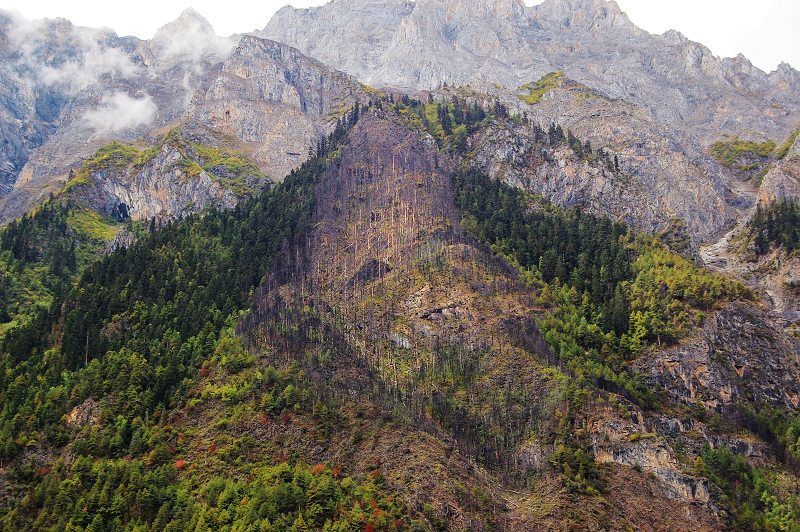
column 402, row 306
column 411, row 296
column 110, row 200
column 425, row 44
column 276, row 100
column 626, row 166
column 448, row 351
column 168, row 180
column 745, row 252
column 782, row 181
column 266, row 98
column 71, row 90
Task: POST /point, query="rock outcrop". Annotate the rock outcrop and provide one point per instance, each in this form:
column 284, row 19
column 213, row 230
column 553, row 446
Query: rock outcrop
column 782, row 181
column 275, row 99
column 161, row 188
column 653, row 180
column 740, row 357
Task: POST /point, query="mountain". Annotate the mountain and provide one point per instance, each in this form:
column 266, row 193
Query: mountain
column 276, row 100
column 748, row 249
column 269, row 96
column 394, row 315
column 657, row 102
column 71, row 90
column 394, row 306
column 261, row 111
column 657, row 176
column 442, row 265
column 422, row 45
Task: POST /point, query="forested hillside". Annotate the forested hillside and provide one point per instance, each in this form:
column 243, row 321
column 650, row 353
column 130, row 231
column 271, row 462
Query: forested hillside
column 777, row 225
column 388, row 339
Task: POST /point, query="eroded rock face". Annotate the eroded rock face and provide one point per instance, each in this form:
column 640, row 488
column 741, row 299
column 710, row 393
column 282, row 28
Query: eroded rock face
column 783, row 179
column 624, row 443
column 67, row 90
column 424, row 44
column 642, row 193
column 88, row 412
column 277, row 100
column 159, row 189
column 740, row 357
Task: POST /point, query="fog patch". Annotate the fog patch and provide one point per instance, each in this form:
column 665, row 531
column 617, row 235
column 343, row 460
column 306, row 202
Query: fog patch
column 195, row 45
column 98, row 62
column 58, row 53
column 119, row 111
column 190, row 38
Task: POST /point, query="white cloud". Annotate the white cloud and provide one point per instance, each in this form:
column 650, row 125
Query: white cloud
column 191, row 39
column 97, row 62
column 120, row 111
column 93, row 60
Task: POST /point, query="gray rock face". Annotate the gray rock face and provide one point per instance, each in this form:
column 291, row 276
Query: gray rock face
column 275, row 99
column 740, row 357
column 160, row 189
column 625, row 443
column 783, row 179
column 431, row 42
column 509, row 152
column 66, row 90
column 659, row 178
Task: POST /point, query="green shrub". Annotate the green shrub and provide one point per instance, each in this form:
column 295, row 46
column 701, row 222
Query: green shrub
column 533, row 92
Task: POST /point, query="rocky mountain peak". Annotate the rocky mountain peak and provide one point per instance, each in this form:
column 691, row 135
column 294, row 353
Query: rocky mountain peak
column 673, row 36
column 505, row 9
column 190, row 16
column 583, row 14
column 785, row 78
column 188, row 20
column 275, row 99
column 742, row 64
column 189, row 36
column 741, row 73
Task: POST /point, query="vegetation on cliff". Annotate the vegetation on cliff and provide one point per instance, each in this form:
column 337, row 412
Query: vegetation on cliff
column 531, row 93
column 784, row 148
column 776, row 225
column 746, row 158
column 130, row 400
column 612, row 292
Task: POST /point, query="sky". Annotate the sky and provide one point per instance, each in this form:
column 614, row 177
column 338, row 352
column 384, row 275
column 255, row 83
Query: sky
column 766, row 31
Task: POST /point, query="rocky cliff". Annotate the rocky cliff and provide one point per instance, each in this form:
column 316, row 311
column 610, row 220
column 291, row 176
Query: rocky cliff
column 425, row 44
column 782, row 181
column 740, row 358
column 68, row 90
column 276, row 100
column 264, row 94
column 166, row 186
column 774, row 274
column 657, row 176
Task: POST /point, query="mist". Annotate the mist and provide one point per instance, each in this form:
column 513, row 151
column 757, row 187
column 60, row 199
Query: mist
column 120, row 111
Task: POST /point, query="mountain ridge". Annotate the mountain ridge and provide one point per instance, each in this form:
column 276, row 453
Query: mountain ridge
column 537, row 50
